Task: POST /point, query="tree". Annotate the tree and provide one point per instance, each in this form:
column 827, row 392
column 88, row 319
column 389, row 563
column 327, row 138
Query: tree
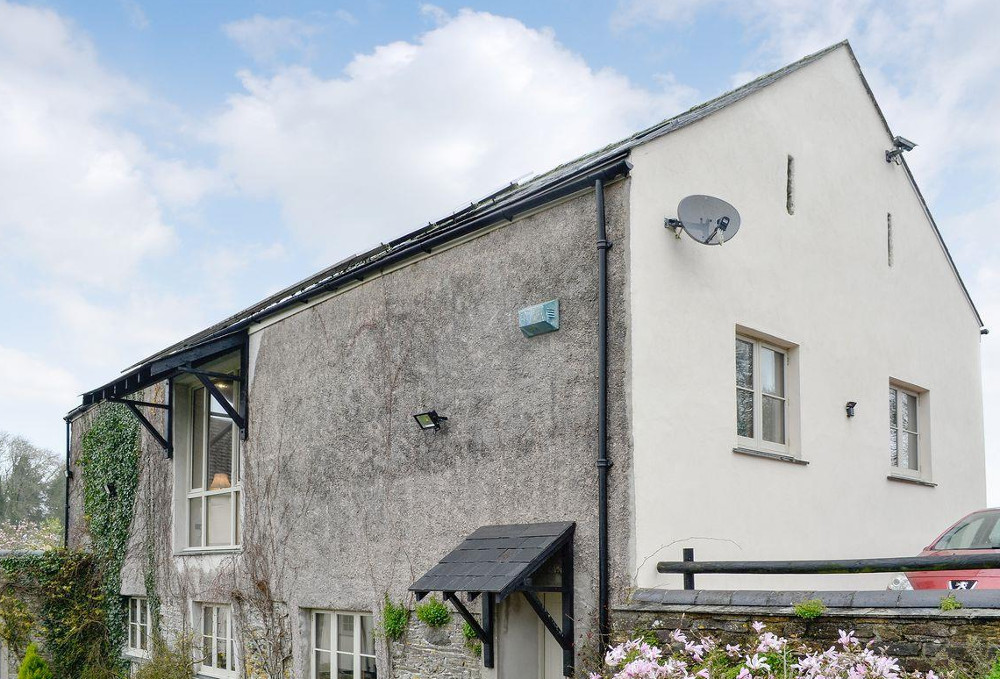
column 31, row 484
column 34, row 665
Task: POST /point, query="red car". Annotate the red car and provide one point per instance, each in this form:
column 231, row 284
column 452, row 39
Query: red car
column 977, row 533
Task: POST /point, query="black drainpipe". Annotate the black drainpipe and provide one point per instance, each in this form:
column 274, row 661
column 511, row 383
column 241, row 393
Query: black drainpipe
column 603, row 464
column 69, row 473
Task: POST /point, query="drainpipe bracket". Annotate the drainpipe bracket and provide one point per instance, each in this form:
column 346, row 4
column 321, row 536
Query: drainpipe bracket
column 604, row 245
column 606, row 464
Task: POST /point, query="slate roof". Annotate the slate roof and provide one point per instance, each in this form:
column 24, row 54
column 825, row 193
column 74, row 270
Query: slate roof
column 496, row 559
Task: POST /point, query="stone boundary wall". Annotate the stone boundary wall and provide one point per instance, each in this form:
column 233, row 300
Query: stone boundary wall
column 921, row 638
column 434, row 653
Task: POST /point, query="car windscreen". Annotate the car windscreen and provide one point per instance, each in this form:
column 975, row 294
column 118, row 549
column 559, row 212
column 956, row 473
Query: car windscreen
column 979, row 531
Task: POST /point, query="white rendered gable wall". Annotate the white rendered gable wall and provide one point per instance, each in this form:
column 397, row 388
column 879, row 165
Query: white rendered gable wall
column 820, row 280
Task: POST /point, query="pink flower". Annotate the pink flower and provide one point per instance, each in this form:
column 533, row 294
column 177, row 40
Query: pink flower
column 758, row 627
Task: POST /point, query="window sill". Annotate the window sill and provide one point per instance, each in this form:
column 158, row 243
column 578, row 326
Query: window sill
column 779, row 457
column 206, row 551
column 902, row 478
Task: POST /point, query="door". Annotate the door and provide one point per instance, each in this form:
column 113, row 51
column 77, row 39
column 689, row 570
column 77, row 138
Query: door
column 550, row 656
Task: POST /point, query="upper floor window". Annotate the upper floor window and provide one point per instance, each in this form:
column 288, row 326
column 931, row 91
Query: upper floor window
column 138, row 626
column 343, row 646
column 904, row 429
column 761, row 400
column 218, row 651
column 207, row 457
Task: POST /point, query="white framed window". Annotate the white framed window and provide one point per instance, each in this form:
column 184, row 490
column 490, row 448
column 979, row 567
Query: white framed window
column 762, row 394
column 342, row 645
column 217, row 652
column 139, row 639
column 905, row 446
column 207, row 459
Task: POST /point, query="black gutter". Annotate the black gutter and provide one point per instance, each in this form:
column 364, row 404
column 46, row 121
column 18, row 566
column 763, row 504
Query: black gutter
column 603, row 464
column 616, row 166
column 837, row 566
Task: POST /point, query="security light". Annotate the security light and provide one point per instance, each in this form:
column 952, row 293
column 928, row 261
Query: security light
column 850, row 408
column 430, row 420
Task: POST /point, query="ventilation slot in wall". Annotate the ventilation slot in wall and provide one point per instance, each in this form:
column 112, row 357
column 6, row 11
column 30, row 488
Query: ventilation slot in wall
column 790, row 186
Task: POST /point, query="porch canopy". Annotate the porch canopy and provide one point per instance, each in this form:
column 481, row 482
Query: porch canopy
column 496, row 562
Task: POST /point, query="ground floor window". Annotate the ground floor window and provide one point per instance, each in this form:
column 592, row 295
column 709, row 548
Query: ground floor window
column 218, row 653
column 343, row 646
column 138, row 626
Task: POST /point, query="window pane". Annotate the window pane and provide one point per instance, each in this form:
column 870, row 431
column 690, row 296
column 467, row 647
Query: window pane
column 143, row 632
column 228, row 390
column 367, row 636
column 772, row 372
column 910, row 412
column 323, row 670
column 236, row 515
column 345, row 666
column 133, row 615
column 323, row 631
column 744, row 364
column 773, row 419
column 904, row 449
column 197, row 436
column 744, row 413
column 219, row 520
column 206, row 621
column 222, row 634
column 132, row 636
column 913, row 460
column 368, row 668
column 893, row 447
column 194, row 522
column 141, row 606
column 220, row 453
column 893, row 394
column 345, row 633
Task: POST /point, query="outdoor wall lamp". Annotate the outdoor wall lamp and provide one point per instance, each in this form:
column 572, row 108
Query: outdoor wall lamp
column 850, row 408
column 429, row 420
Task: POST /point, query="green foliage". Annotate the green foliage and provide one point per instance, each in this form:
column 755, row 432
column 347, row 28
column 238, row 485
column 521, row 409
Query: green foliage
column 810, row 609
column 31, row 484
column 34, row 666
column 994, row 669
column 433, row 612
column 169, row 662
column 950, row 603
column 110, row 462
column 394, row 620
column 16, row 623
column 471, row 639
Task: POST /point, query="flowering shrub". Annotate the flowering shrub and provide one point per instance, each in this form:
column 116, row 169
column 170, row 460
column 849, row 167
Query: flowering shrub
column 765, row 656
column 30, row 535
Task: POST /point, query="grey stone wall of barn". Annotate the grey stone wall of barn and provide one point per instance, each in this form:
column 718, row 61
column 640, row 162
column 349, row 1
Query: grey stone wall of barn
column 346, row 502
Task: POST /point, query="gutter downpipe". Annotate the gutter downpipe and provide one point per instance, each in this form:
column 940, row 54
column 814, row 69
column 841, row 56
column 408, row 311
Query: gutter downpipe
column 68, row 474
column 603, row 464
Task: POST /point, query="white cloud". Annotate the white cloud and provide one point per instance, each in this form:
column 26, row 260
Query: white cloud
column 265, row 39
column 136, row 16
column 75, row 192
column 413, row 129
column 33, row 392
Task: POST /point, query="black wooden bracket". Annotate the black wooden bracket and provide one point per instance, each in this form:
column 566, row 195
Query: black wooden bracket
column 166, row 442
column 484, row 635
column 206, row 379
column 547, row 620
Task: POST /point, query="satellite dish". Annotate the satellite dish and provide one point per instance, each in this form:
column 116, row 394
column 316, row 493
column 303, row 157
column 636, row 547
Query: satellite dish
column 707, row 219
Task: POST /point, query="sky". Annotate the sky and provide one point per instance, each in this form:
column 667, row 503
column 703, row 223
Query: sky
column 164, row 164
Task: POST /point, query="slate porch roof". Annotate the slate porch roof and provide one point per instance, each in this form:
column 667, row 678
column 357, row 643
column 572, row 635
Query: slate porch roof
column 496, row 559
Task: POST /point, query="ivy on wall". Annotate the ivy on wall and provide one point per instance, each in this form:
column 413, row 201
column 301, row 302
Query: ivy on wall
column 110, row 463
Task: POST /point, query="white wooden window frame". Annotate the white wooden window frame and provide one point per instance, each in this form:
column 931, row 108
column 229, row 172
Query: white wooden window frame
column 234, row 492
column 202, row 654
column 757, row 442
column 136, row 626
column 923, row 467
column 334, row 651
